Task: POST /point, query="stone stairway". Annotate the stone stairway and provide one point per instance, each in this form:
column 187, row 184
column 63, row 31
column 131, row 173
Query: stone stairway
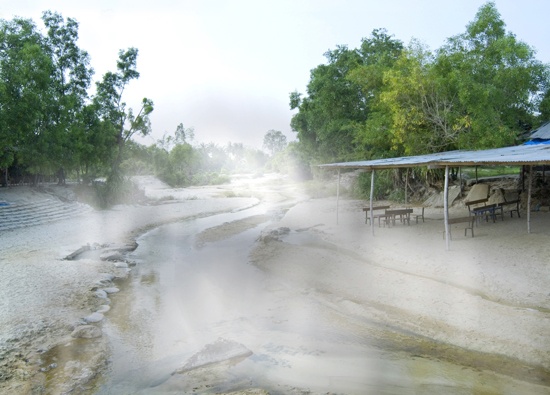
column 23, row 213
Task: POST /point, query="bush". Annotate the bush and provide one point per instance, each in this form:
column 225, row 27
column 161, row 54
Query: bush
column 384, row 188
column 118, row 190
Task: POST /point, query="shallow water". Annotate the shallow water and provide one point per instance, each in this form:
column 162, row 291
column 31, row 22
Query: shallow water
column 187, row 292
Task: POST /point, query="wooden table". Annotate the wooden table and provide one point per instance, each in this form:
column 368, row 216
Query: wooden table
column 488, row 210
column 374, row 208
column 404, row 215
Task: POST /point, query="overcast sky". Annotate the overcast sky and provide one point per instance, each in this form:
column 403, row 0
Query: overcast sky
column 226, row 67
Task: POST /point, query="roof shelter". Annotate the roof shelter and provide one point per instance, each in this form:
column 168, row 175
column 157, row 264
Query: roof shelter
column 523, row 155
column 541, row 135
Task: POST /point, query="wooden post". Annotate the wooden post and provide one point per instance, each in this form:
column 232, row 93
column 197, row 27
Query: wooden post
column 337, row 196
column 407, row 186
column 446, row 208
column 460, row 179
column 529, row 182
column 371, row 203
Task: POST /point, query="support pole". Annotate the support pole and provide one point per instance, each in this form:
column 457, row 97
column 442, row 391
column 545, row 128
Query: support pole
column 460, row 180
column 337, row 196
column 407, row 187
column 446, row 208
column 371, row 203
column 529, row 188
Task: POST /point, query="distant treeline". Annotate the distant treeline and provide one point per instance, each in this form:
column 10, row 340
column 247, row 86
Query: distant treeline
column 52, row 128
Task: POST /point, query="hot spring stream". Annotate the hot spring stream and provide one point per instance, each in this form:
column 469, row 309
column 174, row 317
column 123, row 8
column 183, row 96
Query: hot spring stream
column 194, row 316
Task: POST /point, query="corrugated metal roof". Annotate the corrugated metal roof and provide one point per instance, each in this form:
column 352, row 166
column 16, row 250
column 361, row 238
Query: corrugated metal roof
column 542, row 133
column 517, row 155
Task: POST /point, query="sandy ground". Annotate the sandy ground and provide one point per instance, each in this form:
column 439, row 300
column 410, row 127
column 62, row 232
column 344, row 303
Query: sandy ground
column 486, row 301
column 489, row 293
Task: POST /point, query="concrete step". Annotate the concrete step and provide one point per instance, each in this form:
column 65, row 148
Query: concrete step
column 19, row 214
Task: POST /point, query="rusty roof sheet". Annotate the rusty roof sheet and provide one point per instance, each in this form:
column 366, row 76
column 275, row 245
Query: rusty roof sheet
column 517, row 155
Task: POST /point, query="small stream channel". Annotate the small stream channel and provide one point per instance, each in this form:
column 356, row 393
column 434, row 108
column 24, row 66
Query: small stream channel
column 195, row 317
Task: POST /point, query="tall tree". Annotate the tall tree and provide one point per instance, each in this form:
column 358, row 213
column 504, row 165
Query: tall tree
column 424, row 114
column 121, row 121
column 327, row 116
column 496, row 78
column 274, row 141
column 25, row 71
column 341, row 97
column 68, row 93
column 380, row 53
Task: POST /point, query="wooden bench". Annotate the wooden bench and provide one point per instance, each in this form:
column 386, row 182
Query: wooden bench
column 511, row 203
column 421, row 215
column 374, row 208
column 470, row 224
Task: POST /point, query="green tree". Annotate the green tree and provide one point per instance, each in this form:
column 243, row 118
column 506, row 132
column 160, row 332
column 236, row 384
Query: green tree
column 274, row 141
column 181, row 135
column 121, row 121
column 497, row 79
column 341, row 97
column 380, row 53
column 68, row 91
column 95, row 144
column 327, row 117
column 423, row 113
column 25, row 71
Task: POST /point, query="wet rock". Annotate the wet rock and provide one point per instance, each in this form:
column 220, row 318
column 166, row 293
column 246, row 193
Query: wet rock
column 94, row 317
column 112, row 256
column 103, row 309
column 81, row 250
column 106, row 277
column 111, row 290
column 87, row 332
column 121, row 265
column 116, row 252
column 222, row 350
column 100, row 293
column 101, row 283
column 123, row 247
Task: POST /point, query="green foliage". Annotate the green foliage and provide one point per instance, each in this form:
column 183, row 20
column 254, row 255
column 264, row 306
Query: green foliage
column 383, row 187
column 291, row 161
column 340, row 99
column 482, row 89
column 47, row 120
column 274, row 141
column 491, row 171
column 113, row 112
column 117, row 191
column 326, row 117
column 180, row 164
column 496, row 79
column 25, row 74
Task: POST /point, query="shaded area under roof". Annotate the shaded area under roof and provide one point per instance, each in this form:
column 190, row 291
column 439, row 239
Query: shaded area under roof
column 517, row 155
